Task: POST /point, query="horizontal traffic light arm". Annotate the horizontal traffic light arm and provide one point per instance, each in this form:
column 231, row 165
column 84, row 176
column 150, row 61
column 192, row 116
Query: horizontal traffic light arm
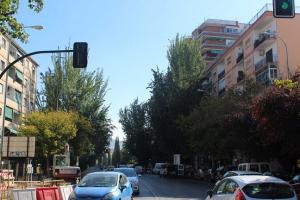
column 30, row 54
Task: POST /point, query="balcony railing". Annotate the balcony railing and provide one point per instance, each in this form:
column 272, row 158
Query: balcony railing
column 263, row 62
column 240, row 57
column 262, row 38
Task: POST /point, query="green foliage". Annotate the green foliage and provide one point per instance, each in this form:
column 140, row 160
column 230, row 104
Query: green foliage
column 286, row 84
column 116, row 157
column 51, row 129
column 8, row 22
column 185, row 61
column 135, row 125
column 69, row 89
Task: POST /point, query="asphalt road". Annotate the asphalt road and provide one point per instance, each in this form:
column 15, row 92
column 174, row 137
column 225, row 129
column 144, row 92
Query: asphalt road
column 155, row 188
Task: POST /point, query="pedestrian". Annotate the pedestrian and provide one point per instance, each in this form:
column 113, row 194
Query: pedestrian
column 39, row 172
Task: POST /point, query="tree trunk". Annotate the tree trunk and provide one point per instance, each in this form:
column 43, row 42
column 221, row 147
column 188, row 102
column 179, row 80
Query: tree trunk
column 48, row 165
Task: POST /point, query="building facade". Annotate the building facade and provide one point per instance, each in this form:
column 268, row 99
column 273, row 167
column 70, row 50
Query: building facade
column 20, row 82
column 215, row 36
column 266, row 50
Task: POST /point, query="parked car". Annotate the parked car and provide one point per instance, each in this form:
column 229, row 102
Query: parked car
column 295, row 182
column 103, row 185
column 163, row 170
column 239, row 173
column 157, row 167
column 132, row 177
column 251, row 187
column 261, row 167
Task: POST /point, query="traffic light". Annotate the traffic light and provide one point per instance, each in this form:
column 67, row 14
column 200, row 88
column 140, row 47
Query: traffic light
column 80, row 51
column 284, row 8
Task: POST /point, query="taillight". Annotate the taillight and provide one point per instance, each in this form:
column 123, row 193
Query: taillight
column 239, row 195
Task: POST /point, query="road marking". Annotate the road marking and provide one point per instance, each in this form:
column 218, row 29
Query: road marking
column 148, row 188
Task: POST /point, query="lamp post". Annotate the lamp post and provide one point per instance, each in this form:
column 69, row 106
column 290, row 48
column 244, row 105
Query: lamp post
column 36, row 27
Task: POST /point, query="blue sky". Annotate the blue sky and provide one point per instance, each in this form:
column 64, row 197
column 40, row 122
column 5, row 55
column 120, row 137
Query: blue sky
column 126, row 37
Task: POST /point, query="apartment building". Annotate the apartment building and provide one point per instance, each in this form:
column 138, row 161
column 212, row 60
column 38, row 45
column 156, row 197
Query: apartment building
column 268, row 49
column 215, row 36
column 20, row 81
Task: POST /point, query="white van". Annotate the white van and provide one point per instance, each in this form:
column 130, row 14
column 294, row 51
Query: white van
column 261, row 167
column 158, row 167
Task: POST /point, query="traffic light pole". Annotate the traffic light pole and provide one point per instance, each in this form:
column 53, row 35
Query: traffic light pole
column 2, row 74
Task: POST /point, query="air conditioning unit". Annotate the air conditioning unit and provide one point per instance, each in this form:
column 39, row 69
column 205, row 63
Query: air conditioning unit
column 261, row 52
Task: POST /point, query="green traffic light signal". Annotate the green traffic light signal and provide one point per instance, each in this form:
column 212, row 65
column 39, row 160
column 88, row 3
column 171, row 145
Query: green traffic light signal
column 283, row 8
column 285, row 5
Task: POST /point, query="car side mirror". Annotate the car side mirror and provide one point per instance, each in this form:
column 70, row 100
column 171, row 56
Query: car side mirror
column 210, row 193
column 123, row 187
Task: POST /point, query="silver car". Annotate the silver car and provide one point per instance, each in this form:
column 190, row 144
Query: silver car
column 132, row 177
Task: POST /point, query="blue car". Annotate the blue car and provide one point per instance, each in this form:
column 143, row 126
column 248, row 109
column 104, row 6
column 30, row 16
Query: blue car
column 103, row 186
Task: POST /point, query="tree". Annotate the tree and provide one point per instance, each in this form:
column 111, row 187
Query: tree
column 116, row 157
column 185, row 61
column 138, row 138
column 51, row 129
column 8, row 22
column 69, row 89
column 276, row 113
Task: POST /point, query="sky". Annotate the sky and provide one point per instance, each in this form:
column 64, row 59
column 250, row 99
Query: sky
column 126, row 38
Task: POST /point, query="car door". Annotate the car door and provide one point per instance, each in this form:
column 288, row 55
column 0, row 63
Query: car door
column 126, row 193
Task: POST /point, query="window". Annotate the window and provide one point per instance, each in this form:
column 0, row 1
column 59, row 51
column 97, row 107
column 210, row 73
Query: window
column 18, row 97
column 1, row 88
column 230, row 187
column 231, row 30
column 4, row 43
column 229, row 60
column 16, row 117
column 123, row 180
column 269, row 191
column 219, row 189
column 8, row 113
column 19, row 76
column 254, row 168
column 264, row 168
column 2, row 65
column 12, row 72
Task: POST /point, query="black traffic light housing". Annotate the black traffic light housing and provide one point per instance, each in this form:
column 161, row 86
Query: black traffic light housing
column 80, row 52
column 284, row 8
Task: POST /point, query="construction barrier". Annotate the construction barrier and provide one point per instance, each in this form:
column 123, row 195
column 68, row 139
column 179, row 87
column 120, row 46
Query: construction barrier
column 65, row 191
column 49, row 193
column 27, row 194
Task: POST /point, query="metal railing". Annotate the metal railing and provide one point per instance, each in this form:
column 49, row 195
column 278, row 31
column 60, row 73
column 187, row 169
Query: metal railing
column 263, row 62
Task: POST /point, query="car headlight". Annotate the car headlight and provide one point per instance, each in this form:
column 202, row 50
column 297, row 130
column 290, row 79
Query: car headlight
column 110, row 196
column 72, row 196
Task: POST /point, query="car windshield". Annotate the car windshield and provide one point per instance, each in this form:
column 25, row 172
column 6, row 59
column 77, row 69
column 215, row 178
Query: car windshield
column 268, row 191
column 128, row 172
column 99, row 180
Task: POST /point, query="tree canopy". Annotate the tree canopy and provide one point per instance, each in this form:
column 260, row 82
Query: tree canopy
column 8, row 22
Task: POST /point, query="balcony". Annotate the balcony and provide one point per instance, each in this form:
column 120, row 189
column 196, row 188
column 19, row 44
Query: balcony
column 262, row 38
column 263, row 63
column 268, row 75
column 221, row 75
column 239, row 58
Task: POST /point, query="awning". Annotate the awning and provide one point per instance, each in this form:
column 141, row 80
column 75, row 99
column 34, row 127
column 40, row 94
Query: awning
column 8, row 113
column 19, row 75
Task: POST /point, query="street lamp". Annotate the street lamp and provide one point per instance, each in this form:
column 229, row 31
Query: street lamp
column 286, row 51
column 36, row 27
